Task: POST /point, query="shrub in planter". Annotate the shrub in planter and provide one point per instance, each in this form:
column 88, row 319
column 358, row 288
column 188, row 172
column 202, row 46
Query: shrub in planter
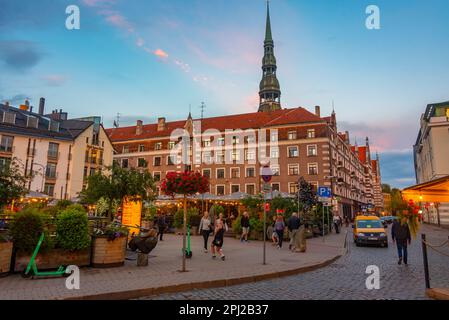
column 72, row 231
column 256, row 228
column 109, row 246
column 27, row 227
column 179, row 217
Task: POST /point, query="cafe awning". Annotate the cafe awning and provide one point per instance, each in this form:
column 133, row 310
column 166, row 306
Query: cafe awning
column 433, row 191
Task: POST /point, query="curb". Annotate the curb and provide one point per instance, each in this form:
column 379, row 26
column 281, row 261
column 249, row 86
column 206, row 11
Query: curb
column 138, row 293
column 438, row 293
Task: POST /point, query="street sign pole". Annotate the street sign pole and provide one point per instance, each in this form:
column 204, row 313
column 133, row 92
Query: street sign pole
column 323, row 223
column 266, row 177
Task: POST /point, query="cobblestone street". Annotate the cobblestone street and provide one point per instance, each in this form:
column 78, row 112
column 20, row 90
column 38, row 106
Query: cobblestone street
column 345, row 279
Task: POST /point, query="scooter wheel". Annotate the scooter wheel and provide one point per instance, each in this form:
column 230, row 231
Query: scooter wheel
column 26, row 275
column 188, row 254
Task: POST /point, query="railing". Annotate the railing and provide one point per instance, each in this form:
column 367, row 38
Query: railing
column 435, row 248
column 7, row 149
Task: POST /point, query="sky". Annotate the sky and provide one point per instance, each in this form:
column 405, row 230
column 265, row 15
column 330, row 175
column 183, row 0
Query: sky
column 146, row 59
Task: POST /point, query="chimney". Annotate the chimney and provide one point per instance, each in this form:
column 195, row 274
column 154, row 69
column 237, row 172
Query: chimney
column 318, row 111
column 41, row 106
column 27, row 103
column 139, row 127
column 161, row 124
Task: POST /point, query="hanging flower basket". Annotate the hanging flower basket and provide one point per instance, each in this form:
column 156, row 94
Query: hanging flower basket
column 185, row 183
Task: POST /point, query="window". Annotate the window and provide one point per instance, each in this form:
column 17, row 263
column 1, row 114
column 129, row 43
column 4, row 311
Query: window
column 293, row 169
column 311, row 133
column 292, row 135
column 235, row 173
column 156, row 176
column 32, row 122
column 49, row 189
column 53, row 149
column 221, row 141
column 235, row 155
column 250, row 154
column 158, row 146
column 220, row 173
column 206, row 143
column 51, row 171
column 311, row 151
column 293, row 152
column 125, row 163
column 4, row 163
column 235, row 188
column 293, row 188
column 250, row 172
column 206, row 173
column 274, row 152
column 312, row 169
column 220, row 157
column 275, row 170
column 274, row 136
column 251, row 189
column 141, row 162
column 275, row 187
column 9, row 117
column 171, row 145
column 6, row 143
column 141, row 148
column 235, row 140
column 157, row 161
column 208, row 157
column 170, row 160
column 125, row 149
column 220, row 190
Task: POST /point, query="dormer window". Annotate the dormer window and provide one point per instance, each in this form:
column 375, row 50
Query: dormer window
column 32, row 122
column 53, row 126
column 9, row 117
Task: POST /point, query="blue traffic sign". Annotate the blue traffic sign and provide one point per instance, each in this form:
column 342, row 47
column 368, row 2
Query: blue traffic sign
column 324, row 192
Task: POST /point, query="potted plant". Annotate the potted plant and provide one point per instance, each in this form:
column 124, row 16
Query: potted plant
column 149, row 216
column 109, row 246
column 5, row 253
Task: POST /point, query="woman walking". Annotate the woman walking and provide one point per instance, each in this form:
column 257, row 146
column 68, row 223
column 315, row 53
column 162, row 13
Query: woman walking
column 244, row 222
column 205, row 229
column 279, row 227
column 217, row 243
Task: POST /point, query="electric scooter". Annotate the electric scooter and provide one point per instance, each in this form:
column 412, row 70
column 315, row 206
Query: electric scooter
column 188, row 250
column 31, row 270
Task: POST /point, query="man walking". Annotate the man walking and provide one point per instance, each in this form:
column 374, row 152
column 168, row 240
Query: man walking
column 244, row 222
column 400, row 232
column 161, row 224
column 293, row 225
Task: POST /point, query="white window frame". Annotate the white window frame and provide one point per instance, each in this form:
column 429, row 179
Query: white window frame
column 220, row 185
column 230, row 173
column 317, row 168
column 290, row 184
column 278, row 167
column 154, row 161
column 158, row 146
column 316, row 150
column 288, row 151
column 309, row 135
column 276, row 183
column 250, row 184
column 160, row 175
column 233, row 185
column 121, row 162
column 294, row 133
column 216, row 173
column 143, row 160
column 246, row 172
column 296, row 165
column 207, row 169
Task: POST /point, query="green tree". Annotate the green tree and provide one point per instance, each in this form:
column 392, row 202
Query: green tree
column 12, row 183
column 254, row 204
column 116, row 183
column 288, row 205
column 307, row 197
column 397, row 203
column 386, row 188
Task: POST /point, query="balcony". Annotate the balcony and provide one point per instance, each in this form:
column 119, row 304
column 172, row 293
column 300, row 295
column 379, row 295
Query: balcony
column 6, row 149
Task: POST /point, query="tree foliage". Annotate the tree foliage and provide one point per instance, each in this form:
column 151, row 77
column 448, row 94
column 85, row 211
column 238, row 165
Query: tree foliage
column 307, row 196
column 72, row 229
column 12, row 183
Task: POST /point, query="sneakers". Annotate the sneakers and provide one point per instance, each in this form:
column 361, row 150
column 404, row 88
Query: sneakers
column 400, row 261
column 223, row 258
column 289, row 247
column 205, row 251
column 214, row 257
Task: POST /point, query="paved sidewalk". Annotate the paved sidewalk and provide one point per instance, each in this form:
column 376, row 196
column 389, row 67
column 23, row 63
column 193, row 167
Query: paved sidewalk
column 243, row 264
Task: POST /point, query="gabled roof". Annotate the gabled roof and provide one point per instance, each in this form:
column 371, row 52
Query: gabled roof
column 253, row 120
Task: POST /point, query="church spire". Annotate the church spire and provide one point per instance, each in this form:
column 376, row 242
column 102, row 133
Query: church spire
column 270, row 92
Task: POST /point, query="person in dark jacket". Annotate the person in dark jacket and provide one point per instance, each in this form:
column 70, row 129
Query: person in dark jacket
column 161, row 224
column 400, row 232
column 293, row 225
column 244, row 222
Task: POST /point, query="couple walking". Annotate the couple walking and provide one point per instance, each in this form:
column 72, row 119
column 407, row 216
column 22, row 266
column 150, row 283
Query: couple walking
column 218, row 229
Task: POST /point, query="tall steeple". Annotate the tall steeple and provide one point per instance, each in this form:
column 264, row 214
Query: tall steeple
column 270, row 91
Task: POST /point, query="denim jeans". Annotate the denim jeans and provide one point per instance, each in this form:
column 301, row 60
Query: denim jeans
column 402, row 249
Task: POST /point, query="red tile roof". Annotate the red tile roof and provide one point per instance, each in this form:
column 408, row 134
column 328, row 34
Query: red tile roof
column 239, row 121
column 362, row 154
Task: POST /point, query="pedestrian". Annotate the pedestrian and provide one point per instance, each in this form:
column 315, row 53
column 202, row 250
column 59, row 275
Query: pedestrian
column 293, row 225
column 205, row 229
column 217, row 243
column 400, row 232
column 244, row 222
column 337, row 222
column 161, row 225
column 279, row 227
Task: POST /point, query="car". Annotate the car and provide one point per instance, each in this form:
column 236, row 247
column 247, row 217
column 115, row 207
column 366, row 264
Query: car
column 369, row 230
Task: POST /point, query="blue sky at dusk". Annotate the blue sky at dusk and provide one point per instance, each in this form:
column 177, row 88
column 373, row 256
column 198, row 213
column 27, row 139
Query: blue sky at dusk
column 151, row 58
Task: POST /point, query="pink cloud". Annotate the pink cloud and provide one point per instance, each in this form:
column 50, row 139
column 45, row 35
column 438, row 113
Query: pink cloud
column 54, row 80
column 160, row 54
column 119, row 21
column 98, row 3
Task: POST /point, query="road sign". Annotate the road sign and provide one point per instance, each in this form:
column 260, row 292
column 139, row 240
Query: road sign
column 266, row 174
column 324, row 192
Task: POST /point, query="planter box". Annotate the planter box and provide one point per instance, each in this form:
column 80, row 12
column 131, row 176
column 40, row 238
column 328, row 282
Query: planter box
column 53, row 259
column 5, row 257
column 108, row 254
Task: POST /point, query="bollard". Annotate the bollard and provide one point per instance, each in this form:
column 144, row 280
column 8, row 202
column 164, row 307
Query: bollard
column 425, row 260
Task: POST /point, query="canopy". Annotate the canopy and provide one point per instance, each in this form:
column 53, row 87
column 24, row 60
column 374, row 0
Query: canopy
column 276, row 194
column 36, row 195
column 432, row 191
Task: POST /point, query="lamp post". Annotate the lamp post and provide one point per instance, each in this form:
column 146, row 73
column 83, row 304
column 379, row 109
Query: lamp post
column 266, row 177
